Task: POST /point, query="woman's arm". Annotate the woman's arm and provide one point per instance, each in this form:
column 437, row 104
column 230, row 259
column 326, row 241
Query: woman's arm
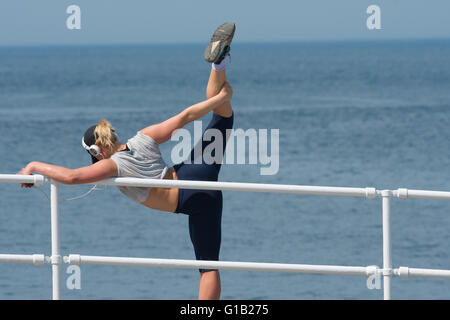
column 100, row 170
column 162, row 132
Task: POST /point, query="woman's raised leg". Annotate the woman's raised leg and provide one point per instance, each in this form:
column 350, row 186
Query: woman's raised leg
column 215, row 83
column 216, row 52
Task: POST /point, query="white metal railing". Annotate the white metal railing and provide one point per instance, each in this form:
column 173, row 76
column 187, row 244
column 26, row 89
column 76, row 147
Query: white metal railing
column 56, row 260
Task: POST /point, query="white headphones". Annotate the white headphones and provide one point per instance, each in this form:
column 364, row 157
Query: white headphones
column 94, row 150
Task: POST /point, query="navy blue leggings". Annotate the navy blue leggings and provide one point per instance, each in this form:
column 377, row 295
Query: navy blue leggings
column 204, row 207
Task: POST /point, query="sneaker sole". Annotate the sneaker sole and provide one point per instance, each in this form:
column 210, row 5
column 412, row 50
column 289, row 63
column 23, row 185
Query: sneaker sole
column 221, row 38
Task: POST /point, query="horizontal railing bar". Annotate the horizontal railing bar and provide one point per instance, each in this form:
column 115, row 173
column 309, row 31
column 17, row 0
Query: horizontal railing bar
column 36, row 179
column 421, row 194
column 223, row 265
column 240, row 186
column 402, row 272
column 405, row 272
column 210, row 185
column 36, row 259
column 243, row 186
column 429, row 273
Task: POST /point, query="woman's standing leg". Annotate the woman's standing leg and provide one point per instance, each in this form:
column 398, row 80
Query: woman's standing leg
column 209, row 286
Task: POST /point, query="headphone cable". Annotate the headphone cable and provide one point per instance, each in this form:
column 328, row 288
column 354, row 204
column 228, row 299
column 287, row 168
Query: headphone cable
column 74, row 198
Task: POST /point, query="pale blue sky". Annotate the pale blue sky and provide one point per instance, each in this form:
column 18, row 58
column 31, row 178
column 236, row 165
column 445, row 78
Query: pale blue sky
column 25, row 22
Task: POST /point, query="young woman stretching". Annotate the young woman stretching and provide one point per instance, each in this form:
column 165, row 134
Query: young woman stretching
column 140, row 157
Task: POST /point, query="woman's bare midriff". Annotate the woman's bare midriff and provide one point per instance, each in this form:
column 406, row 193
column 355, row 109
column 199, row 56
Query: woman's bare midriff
column 163, row 199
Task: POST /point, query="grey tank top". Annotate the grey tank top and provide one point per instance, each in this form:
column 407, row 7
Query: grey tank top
column 144, row 160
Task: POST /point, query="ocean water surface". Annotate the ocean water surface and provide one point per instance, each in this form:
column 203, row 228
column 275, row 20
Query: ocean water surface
column 353, row 114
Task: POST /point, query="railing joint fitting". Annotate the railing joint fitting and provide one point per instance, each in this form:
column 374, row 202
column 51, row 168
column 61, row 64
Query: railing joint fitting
column 73, row 259
column 386, row 193
column 56, row 259
column 38, row 259
column 39, row 180
column 388, row 272
column 371, row 193
column 402, row 193
column 372, row 270
column 402, row 272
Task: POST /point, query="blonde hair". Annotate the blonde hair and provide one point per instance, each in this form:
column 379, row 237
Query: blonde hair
column 106, row 137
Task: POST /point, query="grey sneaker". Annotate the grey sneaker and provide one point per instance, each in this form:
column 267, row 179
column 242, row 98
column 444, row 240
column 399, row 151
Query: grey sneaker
column 219, row 46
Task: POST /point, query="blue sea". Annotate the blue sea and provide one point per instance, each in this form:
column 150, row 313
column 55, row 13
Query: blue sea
column 352, row 114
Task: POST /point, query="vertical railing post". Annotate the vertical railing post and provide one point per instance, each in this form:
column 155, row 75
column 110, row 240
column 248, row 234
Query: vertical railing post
column 56, row 256
column 387, row 255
